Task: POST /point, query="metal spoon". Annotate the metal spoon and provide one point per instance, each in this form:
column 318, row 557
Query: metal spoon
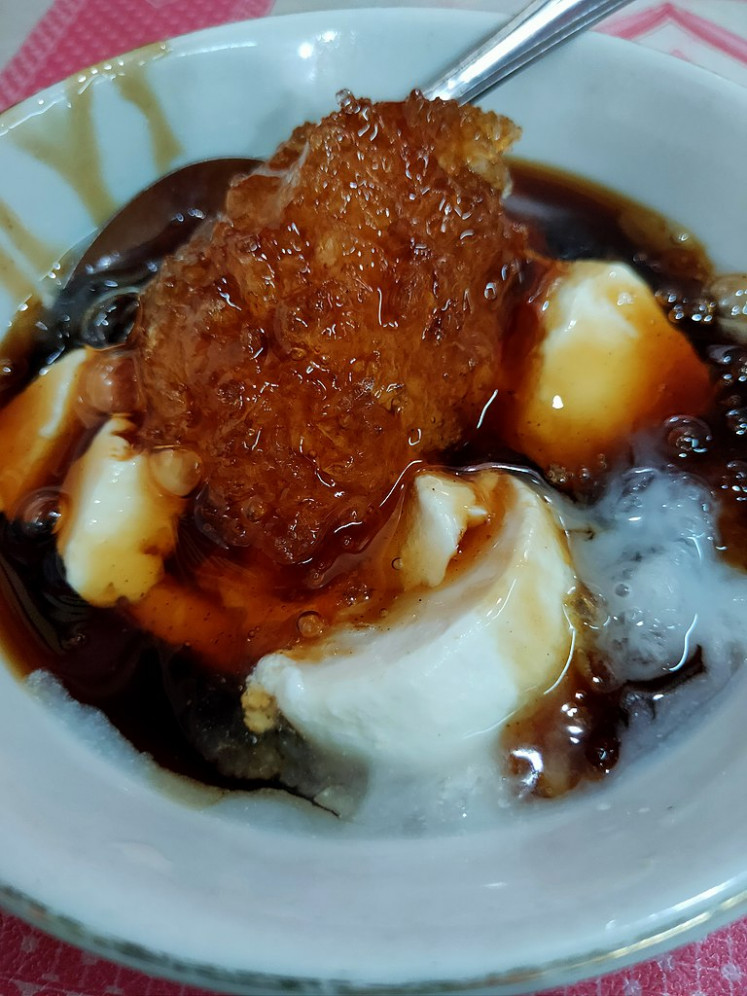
column 532, row 33
column 164, row 215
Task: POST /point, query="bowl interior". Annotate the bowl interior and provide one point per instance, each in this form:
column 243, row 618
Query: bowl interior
column 237, row 890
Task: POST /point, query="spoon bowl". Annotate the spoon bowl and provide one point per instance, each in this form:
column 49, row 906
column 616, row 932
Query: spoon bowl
column 162, row 217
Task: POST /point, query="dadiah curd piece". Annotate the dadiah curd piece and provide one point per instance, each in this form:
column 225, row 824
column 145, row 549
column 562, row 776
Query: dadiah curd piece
column 442, row 511
column 607, row 364
column 118, row 527
column 433, row 683
column 38, row 428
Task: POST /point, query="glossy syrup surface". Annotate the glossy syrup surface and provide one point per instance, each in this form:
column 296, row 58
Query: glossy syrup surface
column 163, row 696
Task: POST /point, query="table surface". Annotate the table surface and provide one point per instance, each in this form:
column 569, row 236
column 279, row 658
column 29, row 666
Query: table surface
column 42, row 41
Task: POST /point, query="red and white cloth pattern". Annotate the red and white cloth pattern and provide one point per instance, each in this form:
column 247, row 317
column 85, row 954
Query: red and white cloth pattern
column 76, row 33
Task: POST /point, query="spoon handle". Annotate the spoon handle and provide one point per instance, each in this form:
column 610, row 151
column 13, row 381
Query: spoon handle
column 533, row 32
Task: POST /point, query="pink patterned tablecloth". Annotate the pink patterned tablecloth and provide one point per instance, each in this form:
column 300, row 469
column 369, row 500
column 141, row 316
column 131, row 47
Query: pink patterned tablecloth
column 75, row 33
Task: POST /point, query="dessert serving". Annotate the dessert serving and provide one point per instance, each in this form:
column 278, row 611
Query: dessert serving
column 414, row 470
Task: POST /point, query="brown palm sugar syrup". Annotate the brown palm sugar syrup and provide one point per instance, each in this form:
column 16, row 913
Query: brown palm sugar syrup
column 164, row 698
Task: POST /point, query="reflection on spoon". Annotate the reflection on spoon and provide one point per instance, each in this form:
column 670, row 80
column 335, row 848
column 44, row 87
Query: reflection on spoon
column 162, row 217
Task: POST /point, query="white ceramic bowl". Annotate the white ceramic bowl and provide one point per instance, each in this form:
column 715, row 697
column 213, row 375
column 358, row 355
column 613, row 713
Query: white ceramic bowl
column 96, row 846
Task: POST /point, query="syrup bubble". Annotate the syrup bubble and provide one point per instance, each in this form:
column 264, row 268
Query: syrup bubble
column 687, row 436
column 39, row 514
column 310, row 625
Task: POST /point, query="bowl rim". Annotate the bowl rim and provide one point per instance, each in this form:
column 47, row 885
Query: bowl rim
column 515, row 982
column 675, row 932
